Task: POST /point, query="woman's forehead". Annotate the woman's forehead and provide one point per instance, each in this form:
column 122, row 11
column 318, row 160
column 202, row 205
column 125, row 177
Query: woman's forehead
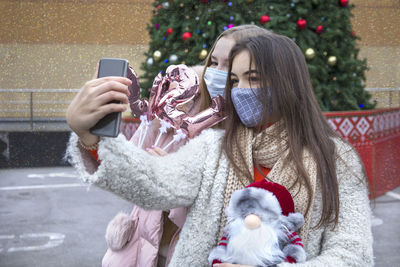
column 241, row 63
column 223, row 47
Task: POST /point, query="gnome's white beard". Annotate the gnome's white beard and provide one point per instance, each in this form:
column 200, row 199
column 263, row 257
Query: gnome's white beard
column 254, row 246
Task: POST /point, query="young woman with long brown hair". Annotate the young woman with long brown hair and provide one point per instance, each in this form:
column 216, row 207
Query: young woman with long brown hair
column 274, row 128
column 270, row 85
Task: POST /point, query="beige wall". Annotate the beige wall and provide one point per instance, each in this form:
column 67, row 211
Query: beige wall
column 58, row 65
column 57, row 43
column 377, row 23
column 75, row 21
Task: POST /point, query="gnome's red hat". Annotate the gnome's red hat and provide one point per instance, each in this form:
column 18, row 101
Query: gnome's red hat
column 280, row 192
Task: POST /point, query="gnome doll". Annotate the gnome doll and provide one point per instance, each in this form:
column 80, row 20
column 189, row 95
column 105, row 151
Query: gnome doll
column 260, row 230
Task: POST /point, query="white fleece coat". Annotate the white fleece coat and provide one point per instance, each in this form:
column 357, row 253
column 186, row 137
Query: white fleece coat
column 195, row 176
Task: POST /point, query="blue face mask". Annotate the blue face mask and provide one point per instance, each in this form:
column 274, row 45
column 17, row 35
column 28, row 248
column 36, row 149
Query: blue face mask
column 215, row 81
column 248, row 105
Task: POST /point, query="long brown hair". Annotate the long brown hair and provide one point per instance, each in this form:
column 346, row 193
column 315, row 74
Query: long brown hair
column 236, row 33
column 282, row 68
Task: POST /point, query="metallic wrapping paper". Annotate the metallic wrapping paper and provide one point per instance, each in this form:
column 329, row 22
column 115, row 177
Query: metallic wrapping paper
column 167, row 97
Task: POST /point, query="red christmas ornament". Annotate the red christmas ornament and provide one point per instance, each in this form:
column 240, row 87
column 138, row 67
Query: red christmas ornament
column 302, row 23
column 186, row 36
column 264, row 19
column 353, row 33
column 204, row 1
column 159, row 7
column 343, row 3
column 169, row 31
column 319, row 29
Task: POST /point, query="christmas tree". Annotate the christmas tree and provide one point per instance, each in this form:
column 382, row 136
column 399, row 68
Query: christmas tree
column 183, row 31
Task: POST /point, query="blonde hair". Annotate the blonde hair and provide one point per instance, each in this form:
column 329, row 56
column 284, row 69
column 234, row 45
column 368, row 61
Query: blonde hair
column 236, row 33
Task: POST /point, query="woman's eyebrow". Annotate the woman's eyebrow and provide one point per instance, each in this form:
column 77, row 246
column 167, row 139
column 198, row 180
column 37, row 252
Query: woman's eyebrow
column 246, row 73
column 251, row 71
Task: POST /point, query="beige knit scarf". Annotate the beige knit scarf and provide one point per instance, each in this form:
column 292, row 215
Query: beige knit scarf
column 269, row 148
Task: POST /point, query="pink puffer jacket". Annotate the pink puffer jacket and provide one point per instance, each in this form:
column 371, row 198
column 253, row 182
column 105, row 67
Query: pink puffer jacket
column 142, row 244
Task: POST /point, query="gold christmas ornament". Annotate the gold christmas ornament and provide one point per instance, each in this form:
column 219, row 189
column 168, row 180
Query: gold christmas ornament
column 332, row 61
column 310, row 53
column 203, row 54
column 325, row 53
column 157, row 55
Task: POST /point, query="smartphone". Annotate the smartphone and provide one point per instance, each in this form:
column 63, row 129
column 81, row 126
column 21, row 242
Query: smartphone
column 109, row 124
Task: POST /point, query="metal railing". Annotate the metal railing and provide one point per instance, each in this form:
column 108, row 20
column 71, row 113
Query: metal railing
column 385, row 97
column 45, row 106
column 33, row 107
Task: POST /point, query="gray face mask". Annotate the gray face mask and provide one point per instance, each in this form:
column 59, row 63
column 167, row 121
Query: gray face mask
column 248, row 105
column 215, row 81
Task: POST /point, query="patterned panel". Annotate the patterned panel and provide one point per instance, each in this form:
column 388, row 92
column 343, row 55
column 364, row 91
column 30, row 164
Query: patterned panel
column 354, row 129
column 376, row 137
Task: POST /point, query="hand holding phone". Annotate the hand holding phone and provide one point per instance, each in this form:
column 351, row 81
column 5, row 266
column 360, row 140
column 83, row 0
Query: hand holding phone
column 109, row 124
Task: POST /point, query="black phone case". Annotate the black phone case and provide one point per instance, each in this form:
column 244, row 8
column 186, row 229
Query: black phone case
column 109, row 124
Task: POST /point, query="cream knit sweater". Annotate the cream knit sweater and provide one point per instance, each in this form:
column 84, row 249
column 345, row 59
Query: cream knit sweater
column 195, row 177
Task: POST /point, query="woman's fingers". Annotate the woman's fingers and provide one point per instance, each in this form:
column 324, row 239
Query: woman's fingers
column 159, row 151
column 93, row 117
column 97, row 82
column 92, row 102
column 156, row 151
column 152, row 152
column 96, row 102
column 112, row 96
column 109, row 86
column 109, row 108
